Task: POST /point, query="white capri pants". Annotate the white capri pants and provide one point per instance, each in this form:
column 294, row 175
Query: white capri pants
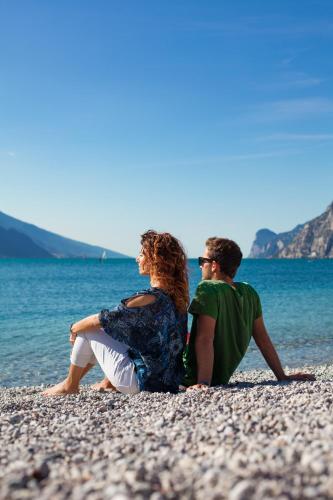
column 111, row 355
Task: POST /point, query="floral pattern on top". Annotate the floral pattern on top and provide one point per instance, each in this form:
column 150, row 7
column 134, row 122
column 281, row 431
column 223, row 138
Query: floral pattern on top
column 156, row 335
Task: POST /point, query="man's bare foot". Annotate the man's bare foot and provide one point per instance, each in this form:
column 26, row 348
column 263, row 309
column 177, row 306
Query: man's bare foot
column 104, row 385
column 61, row 389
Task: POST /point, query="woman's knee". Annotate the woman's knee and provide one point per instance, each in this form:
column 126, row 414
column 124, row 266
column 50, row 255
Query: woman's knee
column 81, row 354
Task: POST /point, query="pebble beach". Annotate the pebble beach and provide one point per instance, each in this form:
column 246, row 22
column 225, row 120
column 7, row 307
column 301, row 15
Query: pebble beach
column 254, row 439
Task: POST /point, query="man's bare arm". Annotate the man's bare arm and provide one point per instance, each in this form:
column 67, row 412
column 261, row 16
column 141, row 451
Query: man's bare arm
column 268, row 351
column 204, row 351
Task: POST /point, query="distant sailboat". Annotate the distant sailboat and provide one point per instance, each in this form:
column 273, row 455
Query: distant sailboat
column 103, row 256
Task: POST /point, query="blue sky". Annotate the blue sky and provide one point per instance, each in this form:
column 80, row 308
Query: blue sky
column 198, row 118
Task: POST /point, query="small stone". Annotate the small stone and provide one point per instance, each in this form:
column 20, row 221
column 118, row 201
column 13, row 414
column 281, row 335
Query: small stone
column 15, row 419
column 242, row 490
column 41, row 471
column 18, row 481
column 318, row 466
column 78, row 458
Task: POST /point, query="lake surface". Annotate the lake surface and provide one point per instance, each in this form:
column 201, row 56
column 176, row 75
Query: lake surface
column 40, row 298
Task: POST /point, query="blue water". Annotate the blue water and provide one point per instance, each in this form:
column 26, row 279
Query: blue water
column 40, row 298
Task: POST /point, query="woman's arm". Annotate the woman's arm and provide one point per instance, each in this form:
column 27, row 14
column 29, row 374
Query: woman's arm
column 86, row 324
column 93, row 323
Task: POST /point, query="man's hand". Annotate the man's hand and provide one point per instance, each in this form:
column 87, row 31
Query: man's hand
column 267, row 349
column 299, row 377
column 198, row 387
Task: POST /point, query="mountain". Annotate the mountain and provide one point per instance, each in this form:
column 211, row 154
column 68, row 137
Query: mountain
column 15, row 244
column 20, row 239
column 314, row 239
column 268, row 244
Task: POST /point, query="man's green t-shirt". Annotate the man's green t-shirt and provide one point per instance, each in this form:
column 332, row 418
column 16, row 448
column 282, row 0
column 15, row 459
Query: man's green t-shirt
column 234, row 311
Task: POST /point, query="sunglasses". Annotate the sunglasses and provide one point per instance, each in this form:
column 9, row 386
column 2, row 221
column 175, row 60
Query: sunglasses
column 202, row 260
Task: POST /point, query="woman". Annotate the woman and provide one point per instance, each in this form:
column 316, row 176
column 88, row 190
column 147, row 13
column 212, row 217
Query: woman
column 139, row 344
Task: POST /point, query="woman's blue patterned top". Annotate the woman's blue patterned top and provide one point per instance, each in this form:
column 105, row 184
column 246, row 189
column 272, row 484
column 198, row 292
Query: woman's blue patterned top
column 156, row 336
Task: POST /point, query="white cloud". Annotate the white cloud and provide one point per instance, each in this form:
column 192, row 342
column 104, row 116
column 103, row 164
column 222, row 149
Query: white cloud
column 288, row 60
column 292, row 108
column 291, row 80
column 265, row 25
column 297, row 137
column 11, row 154
column 221, row 159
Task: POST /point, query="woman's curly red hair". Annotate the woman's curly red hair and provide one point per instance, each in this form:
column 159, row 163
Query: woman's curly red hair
column 168, row 265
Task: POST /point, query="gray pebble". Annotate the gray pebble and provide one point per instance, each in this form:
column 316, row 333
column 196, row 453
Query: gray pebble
column 256, row 439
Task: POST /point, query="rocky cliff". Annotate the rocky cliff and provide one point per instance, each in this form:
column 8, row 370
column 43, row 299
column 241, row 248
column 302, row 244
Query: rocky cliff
column 314, row 239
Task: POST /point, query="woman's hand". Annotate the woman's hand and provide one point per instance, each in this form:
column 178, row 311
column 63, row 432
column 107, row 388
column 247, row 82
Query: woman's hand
column 72, row 338
column 72, row 335
column 90, row 323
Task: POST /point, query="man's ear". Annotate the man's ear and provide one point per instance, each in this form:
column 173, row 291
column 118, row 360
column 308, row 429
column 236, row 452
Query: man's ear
column 215, row 267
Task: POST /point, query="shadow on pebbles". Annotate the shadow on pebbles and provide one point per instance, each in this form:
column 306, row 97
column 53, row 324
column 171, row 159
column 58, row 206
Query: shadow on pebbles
column 254, row 439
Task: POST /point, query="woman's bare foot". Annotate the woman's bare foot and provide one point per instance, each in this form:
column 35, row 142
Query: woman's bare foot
column 104, row 385
column 61, row 389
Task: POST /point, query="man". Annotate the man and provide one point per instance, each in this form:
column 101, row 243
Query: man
column 226, row 315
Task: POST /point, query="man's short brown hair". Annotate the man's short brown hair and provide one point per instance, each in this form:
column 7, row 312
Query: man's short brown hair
column 226, row 253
